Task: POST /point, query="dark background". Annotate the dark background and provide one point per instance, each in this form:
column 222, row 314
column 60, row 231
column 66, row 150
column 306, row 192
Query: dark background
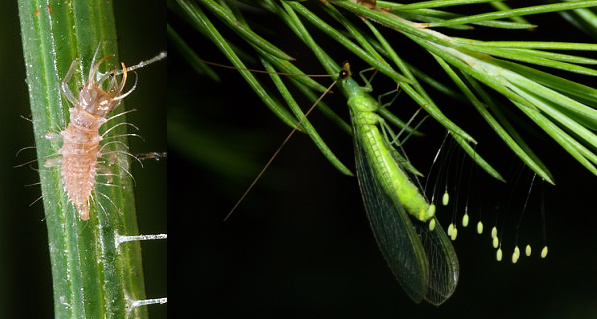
column 25, row 275
column 300, row 245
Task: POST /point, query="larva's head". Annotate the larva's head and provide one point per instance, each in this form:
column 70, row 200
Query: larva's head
column 97, row 101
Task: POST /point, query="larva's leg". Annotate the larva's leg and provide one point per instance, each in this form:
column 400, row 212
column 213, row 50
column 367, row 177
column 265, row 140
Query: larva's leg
column 105, row 171
column 53, row 162
column 56, row 161
column 65, row 89
column 115, row 158
column 53, row 137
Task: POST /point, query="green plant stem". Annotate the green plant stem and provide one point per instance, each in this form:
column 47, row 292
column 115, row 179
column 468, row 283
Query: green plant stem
column 92, row 277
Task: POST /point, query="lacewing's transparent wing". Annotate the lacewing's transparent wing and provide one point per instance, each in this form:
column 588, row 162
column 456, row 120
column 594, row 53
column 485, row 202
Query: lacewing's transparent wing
column 423, row 261
column 443, row 263
column 395, row 234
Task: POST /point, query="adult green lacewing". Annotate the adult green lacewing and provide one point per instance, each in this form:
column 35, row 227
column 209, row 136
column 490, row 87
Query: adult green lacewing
column 421, row 257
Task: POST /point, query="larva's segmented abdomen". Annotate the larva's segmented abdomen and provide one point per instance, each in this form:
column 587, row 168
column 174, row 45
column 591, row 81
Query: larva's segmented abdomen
column 80, row 150
column 78, row 177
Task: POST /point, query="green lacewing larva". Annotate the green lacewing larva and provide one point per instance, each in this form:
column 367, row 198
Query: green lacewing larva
column 81, row 148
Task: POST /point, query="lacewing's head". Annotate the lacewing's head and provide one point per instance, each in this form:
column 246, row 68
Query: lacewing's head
column 345, row 72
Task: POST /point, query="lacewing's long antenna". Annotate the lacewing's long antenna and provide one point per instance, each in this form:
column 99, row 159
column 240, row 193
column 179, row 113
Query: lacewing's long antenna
column 266, row 72
column 280, row 148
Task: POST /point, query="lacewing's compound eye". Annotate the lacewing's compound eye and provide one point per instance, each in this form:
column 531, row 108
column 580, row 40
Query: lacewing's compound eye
column 343, row 74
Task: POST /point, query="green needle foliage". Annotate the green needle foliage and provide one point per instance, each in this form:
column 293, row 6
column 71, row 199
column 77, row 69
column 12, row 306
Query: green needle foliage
column 93, row 276
column 563, row 109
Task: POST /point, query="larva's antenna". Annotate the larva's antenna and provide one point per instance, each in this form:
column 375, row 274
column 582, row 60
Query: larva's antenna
column 266, row 72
